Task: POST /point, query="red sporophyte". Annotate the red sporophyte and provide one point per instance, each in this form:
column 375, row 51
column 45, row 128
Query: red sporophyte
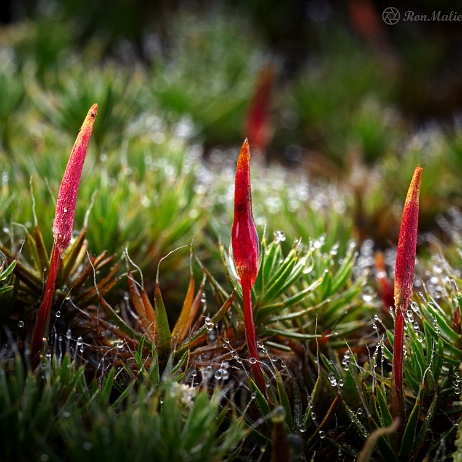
column 258, row 118
column 404, row 276
column 456, row 321
column 67, row 197
column 245, row 242
column 384, row 286
column 62, row 230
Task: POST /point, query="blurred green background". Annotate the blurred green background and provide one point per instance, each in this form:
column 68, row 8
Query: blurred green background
column 348, row 103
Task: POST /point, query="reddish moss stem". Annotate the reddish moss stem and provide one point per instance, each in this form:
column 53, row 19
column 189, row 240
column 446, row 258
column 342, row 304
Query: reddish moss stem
column 40, row 334
column 404, row 276
column 396, row 395
column 250, row 334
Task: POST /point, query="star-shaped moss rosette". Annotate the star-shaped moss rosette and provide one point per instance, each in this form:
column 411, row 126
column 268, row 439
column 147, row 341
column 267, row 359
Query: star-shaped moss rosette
column 148, row 332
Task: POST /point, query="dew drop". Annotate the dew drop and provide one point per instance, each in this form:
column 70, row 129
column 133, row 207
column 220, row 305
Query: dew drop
column 332, row 379
column 252, row 360
column 58, row 314
column 209, row 324
column 21, row 324
column 279, row 236
column 212, row 337
column 368, row 294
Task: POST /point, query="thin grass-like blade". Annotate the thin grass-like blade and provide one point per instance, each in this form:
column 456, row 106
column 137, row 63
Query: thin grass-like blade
column 138, row 303
column 182, row 327
column 164, row 335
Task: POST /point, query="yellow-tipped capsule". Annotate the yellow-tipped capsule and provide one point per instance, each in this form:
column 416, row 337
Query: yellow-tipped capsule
column 67, row 197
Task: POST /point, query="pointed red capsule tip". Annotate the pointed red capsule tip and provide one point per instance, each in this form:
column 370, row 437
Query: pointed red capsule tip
column 405, row 258
column 67, row 197
column 245, row 239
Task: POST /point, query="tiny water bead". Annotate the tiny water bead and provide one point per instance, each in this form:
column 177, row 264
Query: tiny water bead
column 279, row 236
column 302, row 428
column 212, row 336
column 334, row 249
column 20, row 323
column 332, row 379
column 252, row 360
column 346, row 360
column 209, row 324
column 207, row 372
column 322, row 435
column 58, row 314
column 87, row 446
column 368, row 294
column 456, row 383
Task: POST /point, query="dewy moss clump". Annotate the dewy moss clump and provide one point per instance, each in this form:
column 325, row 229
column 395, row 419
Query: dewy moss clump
column 292, row 361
